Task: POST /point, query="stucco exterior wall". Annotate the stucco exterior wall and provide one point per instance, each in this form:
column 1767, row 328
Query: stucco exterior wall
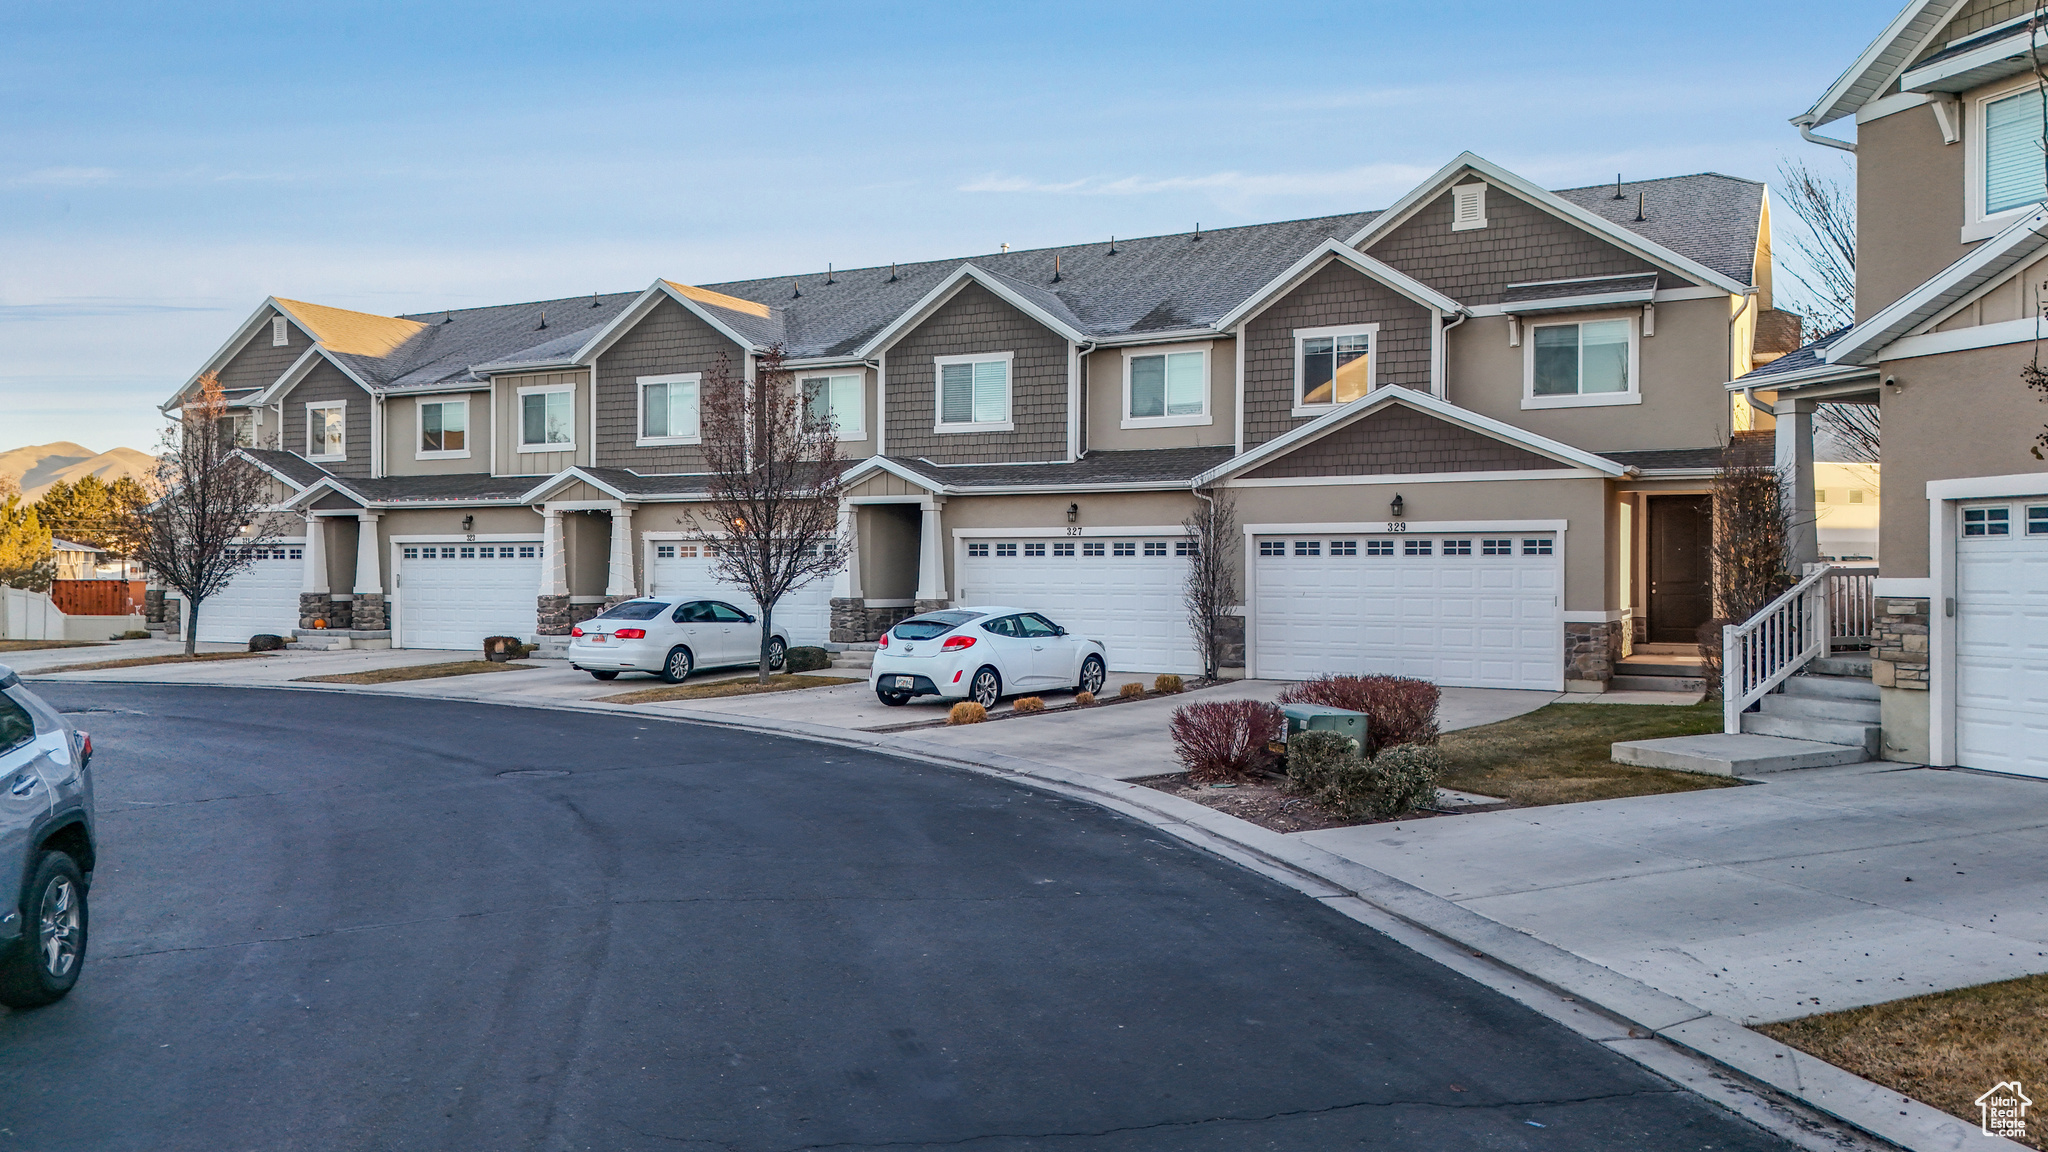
column 1909, row 205
column 1104, row 402
column 975, row 320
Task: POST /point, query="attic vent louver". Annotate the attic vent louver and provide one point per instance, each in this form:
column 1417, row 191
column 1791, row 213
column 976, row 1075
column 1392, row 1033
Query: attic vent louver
column 279, row 336
column 1468, row 207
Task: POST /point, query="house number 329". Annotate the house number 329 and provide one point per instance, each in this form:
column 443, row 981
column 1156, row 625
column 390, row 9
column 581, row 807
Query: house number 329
column 1397, row 526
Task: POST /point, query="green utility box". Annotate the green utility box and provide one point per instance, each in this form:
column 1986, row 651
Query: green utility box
column 1316, row 718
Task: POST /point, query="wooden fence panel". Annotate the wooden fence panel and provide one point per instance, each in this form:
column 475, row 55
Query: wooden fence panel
column 97, row 597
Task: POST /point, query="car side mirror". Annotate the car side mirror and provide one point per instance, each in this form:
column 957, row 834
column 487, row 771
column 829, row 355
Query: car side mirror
column 747, row 618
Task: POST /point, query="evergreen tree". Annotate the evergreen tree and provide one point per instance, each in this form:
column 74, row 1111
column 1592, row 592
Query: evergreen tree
column 26, row 560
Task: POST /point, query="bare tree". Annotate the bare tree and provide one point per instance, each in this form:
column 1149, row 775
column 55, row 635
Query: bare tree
column 1752, row 530
column 773, row 518
column 210, row 509
column 1212, row 574
column 1826, row 204
column 1852, row 428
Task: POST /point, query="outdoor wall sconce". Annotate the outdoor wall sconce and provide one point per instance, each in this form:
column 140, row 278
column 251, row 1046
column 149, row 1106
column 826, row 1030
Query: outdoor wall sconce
column 1073, row 513
column 1395, row 507
column 468, row 523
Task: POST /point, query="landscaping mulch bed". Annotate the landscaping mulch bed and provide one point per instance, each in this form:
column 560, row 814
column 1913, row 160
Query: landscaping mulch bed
column 39, row 645
column 414, row 672
column 1561, row 754
column 1265, row 802
column 1943, row 1049
column 1103, row 700
column 779, row 683
column 145, row 661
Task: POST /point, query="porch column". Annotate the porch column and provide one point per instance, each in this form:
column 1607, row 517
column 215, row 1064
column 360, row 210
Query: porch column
column 315, row 578
column 1795, row 465
column 619, row 583
column 846, row 581
column 931, row 557
column 554, row 566
column 369, row 566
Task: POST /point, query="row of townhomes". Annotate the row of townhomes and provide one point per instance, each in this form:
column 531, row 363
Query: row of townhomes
column 1468, row 436
column 1952, row 264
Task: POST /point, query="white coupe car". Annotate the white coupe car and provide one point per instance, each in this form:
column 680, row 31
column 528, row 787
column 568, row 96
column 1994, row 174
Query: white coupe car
column 983, row 655
column 671, row 639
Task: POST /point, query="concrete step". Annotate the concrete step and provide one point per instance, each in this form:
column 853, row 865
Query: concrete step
column 1634, row 666
column 1862, row 737
column 1820, row 708
column 1692, row 650
column 314, row 647
column 1656, row 684
column 1725, row 754
column 853, row 659
column 1853, row 666
column 1831, row 687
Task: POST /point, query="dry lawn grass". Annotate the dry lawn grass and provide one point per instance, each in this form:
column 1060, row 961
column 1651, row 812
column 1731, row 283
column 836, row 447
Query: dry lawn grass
column 145, row 661
column 39, row 645
column 781, row 683
column 1559, row 753
column 1944, row 1049
column 413, row 672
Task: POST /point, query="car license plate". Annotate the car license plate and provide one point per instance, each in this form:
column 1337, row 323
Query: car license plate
column 597, row 637
column 906, row 681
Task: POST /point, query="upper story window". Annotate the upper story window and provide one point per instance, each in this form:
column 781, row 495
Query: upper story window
column 838, row 400
column 1589, row 362
column 1332, row 366
column 668, row 409
column 326, row 431
column 547, row 418
column 243, row 429
column 974, row 393
column 1166, row 387
column 444, row 429
column 2012, row 153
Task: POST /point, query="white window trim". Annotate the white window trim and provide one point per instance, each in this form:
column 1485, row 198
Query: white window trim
column 640, row 437
column 1634, row 395
column 1976, row 225
column 1372, row 364
column 1202, row 417
column 519, row 418
column 323, row 405
column 419, row 429
column 1473, row 191
column 1006, row 424
column 860, row 410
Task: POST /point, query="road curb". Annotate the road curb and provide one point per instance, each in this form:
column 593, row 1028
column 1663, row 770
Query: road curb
column 1642, row 1010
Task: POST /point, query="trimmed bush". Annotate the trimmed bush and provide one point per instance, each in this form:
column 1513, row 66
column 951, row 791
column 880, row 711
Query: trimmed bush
column 1166, row 684
column 265, row 642
column 1130, row 690
column 967, row 712
column 1220, row 741
column 499, row 649
column 1084, row 698
column 1316, row 760
column 806, row 659
column 1398, row 709
column 1028, row 704
column 144, row 635
column 1399, row 780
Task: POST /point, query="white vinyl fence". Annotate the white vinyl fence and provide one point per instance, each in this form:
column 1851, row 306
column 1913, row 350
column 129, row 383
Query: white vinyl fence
column 28, row 615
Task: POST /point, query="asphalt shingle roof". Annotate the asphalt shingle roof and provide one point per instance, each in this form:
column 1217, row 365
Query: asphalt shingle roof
column 1706, row 217
column 1135, row 466
column 297, row 468
column 1660, row 458
column 1799, row 360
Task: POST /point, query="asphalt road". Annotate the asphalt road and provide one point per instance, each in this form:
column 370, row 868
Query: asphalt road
column 345, row 922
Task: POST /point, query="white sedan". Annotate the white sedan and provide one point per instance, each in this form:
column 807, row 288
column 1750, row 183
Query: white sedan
column 670, row 639
column 983, row 654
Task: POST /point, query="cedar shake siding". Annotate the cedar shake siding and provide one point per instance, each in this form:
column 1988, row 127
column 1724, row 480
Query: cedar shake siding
column 1400, row 441
column 668, row 341
column 324, row 383
column 1336, row 295
column 1519, row 244
column 258, row 364
column 975, row 320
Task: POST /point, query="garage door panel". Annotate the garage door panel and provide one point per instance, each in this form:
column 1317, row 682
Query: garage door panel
column 453, row 594
column 684, row 570
column 1128, row 596
column 263, row 598
column 2001, row 646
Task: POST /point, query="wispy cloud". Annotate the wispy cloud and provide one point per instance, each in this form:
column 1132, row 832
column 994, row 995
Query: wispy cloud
column 1365, row 180
column 62, row 177
column 92, row 306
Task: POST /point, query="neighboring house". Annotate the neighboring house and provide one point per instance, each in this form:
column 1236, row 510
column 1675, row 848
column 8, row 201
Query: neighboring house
column 1468, row 436
column 1952, row 256
column 1845, row 510
column 75, row 561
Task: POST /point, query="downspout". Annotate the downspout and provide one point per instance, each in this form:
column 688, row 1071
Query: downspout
column 1805, row 127
column 1443, row 354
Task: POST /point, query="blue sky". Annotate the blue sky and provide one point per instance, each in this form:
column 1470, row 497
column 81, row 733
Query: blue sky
column 164, row 167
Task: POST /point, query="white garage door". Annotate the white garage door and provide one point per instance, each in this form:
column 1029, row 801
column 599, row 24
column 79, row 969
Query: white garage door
column 264, row 597
column 683, row 570
column 453, row 595
column 1470, row 610
column 1123, row 592
column 2002, row 638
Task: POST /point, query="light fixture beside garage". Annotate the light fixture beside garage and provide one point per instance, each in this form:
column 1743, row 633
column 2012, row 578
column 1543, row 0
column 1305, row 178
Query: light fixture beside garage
column 469, row 526
column 1073, row 513
column 1396, row 506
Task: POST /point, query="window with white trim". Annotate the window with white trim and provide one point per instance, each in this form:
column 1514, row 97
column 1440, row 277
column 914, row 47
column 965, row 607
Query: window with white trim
column 973, row 393
column 444, row 429
column 668, row 409
column 326, row 431
column 1332, row 366
column 838, row 401
column 1468, row 207
column 2012, row 152
column 1163, row 388
column 2037, row 519
column 547, row 419
column 1581, row 362
column 243, row 425
column 1987, row 521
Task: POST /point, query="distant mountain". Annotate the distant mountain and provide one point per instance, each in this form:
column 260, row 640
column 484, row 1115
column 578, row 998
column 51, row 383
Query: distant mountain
column 38, row 466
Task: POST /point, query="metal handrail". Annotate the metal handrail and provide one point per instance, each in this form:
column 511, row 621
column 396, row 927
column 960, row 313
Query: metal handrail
column 1758, row 654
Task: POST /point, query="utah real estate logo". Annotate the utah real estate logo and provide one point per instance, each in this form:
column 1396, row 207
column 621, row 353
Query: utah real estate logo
column 2004, row 1110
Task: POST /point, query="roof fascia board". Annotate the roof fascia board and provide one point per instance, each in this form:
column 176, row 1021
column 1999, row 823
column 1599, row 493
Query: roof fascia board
column 1989, row 259
column 1313, row 261
column 606, row 336
column 227, row 351
column 1832, row 104
column 1577, row 303
column 321, row 487
column 945, row 290
column 1025, row 305
column 574, row 473
column 1563, row 209
column 873, row 464
column 1956, row 74
column 303, row 366
column 1381, row 398
column 1821, row 374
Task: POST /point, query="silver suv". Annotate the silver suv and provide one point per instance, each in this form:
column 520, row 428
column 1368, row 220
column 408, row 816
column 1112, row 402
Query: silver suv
column 46, row 847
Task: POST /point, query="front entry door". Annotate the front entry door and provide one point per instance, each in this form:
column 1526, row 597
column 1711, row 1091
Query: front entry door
column 1681, row 567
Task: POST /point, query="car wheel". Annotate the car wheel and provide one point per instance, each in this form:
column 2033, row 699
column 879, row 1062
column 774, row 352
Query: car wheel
column 893, row 699
column 1092, row 675
column 777, row 652
column 986, row 688
column 676, row 668
column 43, row 964
column 602, row 675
